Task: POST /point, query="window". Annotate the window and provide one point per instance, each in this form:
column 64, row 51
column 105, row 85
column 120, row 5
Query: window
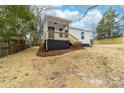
column 82, row 35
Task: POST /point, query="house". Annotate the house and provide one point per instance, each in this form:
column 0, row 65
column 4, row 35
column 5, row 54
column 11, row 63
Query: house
column 55, row 33
column 58, row 35
column 83, row 36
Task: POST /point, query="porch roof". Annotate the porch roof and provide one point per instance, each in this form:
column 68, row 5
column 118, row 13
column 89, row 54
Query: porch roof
column 58, row 19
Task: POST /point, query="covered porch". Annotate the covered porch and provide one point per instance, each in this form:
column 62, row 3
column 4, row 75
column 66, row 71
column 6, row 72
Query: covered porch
column 55, row 33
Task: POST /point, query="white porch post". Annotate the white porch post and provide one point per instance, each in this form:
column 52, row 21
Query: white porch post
column 68, row 31
column 46, row 35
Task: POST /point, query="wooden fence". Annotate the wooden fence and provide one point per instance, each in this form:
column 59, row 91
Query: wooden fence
column 119, row 40
column 11, row 46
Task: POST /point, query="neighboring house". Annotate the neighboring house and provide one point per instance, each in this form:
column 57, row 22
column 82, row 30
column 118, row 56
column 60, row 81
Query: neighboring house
column 58, row 35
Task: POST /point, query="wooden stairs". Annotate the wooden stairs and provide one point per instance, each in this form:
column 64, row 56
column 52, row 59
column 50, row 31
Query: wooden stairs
column 73, row 40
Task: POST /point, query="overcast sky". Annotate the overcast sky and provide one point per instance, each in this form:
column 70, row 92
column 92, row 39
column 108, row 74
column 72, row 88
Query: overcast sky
column 74, row 12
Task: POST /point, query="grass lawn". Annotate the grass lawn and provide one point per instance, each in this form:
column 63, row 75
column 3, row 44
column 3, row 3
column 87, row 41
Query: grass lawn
column 90, row 67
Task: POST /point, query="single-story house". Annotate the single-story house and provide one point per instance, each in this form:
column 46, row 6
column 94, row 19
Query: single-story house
column 58, row 35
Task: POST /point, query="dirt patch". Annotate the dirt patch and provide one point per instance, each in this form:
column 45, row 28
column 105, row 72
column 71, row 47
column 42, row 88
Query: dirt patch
column 41, row 52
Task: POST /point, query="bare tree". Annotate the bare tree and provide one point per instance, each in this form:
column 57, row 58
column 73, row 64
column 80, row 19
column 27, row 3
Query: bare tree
column 93, row 24
column 87, row 10
column 93, row 29
column 39, row 11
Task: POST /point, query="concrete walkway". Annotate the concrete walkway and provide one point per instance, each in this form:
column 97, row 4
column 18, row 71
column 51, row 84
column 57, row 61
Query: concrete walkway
column 110, row 45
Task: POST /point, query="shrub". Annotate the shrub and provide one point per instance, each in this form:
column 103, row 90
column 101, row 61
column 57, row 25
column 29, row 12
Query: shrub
column 52, row 61
column 103, row 60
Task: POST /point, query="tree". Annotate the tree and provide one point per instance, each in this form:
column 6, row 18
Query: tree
column 93, row 29
column 15, row 21
column 40, row 12
column 87, row 10
column 108, row 27
column 22, row 21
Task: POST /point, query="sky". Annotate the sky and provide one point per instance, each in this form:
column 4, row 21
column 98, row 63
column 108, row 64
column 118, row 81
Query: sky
column 74, row 12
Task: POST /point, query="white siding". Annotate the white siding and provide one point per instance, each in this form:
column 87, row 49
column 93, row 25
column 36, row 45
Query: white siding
column 49, row 23
column 77, row 33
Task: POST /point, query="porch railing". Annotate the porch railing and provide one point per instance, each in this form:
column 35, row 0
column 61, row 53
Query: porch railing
column 70, row 37
column 73, row 39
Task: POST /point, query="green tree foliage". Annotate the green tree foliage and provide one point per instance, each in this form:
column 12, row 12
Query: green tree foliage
column 108, row 27
column 15, row 20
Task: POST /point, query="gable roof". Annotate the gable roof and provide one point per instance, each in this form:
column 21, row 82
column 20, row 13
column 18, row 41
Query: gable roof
column 80, row 29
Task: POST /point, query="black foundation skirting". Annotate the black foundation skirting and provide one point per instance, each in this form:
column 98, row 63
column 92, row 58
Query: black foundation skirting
column 56, row 44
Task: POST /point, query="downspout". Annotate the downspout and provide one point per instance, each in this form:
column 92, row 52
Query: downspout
column 68, row 35
column 68, row 31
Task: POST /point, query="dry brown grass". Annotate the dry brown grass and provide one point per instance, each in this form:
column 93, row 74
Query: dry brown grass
column 110, row 41
column 90, row 67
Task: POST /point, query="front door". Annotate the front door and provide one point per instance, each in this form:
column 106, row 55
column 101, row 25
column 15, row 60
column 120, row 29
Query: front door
column 51, row 32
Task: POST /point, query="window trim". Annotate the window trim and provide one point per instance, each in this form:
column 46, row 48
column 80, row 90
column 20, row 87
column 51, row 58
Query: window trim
column 82, row 35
